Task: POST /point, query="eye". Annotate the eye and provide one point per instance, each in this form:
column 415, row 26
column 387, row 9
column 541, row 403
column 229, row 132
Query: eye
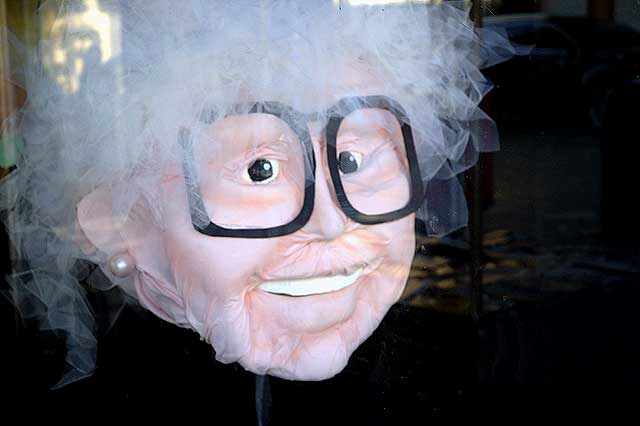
column 349, row 161
column 262, row 171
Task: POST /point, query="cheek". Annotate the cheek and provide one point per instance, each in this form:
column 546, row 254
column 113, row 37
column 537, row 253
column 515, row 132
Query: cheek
column 216, row 267
column 390, row 278
column 401, row 237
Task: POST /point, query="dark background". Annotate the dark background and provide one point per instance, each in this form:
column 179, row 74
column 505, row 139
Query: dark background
column 559, row 263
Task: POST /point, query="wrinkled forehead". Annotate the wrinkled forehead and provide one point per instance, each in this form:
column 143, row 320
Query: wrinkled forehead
column 227, row 134
column 236, row 129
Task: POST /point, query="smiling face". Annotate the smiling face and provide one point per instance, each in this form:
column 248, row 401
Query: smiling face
column 294, row 306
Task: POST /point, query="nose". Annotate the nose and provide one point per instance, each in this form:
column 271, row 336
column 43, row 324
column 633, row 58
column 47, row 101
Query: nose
column 327, row 220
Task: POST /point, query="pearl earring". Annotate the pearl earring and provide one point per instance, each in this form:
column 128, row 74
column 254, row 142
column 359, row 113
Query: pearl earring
column 122, row 265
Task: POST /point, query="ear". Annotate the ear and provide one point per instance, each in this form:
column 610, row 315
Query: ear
column 101, row 235
column 97, row 228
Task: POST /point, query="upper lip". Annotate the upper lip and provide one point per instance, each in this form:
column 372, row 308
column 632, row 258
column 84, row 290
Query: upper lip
column 347, row 270
column 312, row 259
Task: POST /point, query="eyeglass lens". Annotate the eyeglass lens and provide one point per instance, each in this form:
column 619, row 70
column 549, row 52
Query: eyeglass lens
column 251, row 168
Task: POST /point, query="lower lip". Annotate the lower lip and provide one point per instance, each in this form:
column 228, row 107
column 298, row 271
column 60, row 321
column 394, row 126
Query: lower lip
column 312, row 313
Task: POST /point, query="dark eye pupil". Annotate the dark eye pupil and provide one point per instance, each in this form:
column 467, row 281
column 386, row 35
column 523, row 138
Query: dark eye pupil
column 347, row 162
column 260, row 170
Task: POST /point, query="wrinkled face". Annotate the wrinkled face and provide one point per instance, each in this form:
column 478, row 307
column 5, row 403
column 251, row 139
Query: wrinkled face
column 294, row 306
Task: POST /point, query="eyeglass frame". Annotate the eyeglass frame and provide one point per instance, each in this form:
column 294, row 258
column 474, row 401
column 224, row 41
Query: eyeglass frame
column 293, row 118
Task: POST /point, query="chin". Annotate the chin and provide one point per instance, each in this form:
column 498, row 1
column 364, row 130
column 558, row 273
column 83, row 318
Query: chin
column 300, row 314
column 311, row 338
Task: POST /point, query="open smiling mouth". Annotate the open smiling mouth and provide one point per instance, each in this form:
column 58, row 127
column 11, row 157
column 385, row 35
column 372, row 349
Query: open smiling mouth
column 310, row 286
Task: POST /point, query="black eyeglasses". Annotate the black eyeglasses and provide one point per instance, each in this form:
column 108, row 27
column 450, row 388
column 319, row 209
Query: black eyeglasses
column 375, row 175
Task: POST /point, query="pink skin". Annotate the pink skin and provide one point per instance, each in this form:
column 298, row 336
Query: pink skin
column 302, row 338
column 210, row 283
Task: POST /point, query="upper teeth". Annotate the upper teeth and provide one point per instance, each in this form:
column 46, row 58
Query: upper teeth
column 308, row 286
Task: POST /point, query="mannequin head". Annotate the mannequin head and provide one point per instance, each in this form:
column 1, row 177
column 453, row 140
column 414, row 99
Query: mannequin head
column 259, row 165
column 294, row 305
